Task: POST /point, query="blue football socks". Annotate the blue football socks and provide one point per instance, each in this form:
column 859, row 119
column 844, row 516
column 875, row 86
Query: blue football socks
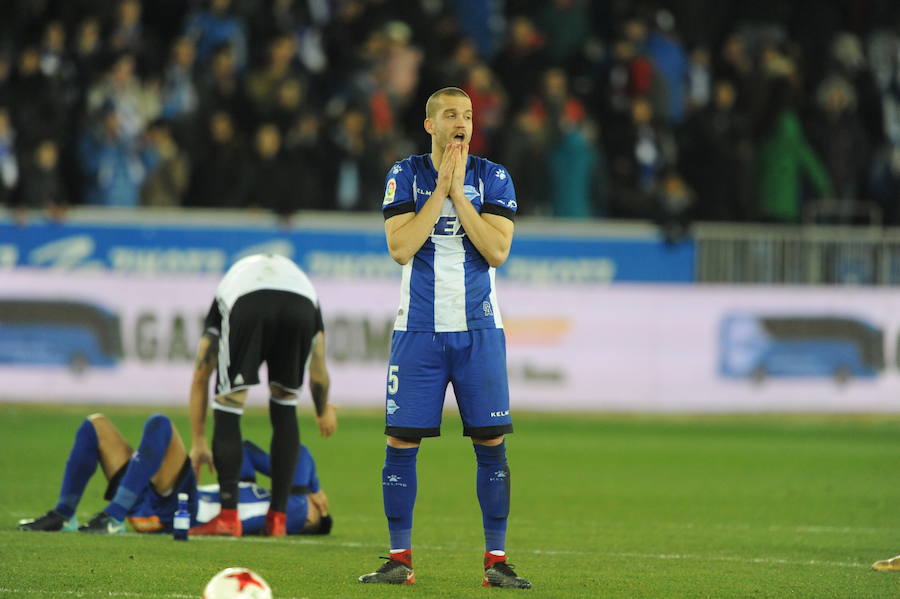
column 80, row 466
column 492, row 483
column 398, row 484
column 142, row 466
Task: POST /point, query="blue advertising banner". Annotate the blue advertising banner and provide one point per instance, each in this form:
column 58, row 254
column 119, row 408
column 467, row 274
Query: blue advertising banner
column 168, row 249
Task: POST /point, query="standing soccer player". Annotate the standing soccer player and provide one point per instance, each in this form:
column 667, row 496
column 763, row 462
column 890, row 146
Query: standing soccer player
column 265, row 310
column 449, row 222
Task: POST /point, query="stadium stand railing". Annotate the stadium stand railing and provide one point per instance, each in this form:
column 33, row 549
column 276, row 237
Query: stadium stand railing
column 798, row 255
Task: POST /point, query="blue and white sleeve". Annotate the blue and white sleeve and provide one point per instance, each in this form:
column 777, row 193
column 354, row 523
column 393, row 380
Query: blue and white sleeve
column 398, row 197
column 499, row 193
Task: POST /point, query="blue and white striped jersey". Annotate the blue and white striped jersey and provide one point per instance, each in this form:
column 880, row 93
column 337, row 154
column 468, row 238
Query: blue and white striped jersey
column 448, row 285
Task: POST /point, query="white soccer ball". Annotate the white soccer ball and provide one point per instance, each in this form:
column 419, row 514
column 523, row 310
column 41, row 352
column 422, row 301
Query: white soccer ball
column 237, row 583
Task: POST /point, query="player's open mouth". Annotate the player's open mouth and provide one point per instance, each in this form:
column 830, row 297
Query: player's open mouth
column 460, row 137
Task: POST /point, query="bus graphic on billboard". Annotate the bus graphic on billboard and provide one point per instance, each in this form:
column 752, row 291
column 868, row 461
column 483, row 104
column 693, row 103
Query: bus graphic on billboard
column 74, row 334
column 758, row 347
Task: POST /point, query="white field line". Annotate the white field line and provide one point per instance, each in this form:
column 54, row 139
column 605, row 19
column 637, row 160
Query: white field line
column 736, row 559
column 605, row 554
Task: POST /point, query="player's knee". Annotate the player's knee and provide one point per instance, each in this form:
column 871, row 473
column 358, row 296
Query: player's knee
column 489, row 441
column 403, row 442
column 157, row 423
column 279, row 392
column 100, row 422
column 251, row 446
column 232, row 400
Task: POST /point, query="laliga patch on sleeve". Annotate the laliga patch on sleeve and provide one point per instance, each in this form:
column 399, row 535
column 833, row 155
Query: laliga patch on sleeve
column 389, row 191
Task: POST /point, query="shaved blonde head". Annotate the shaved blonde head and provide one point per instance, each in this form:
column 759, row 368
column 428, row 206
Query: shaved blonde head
column 432, row 103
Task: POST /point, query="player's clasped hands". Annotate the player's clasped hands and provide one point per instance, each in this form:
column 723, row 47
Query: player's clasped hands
column 452, row 171
column 459, row 173
column 448, row 166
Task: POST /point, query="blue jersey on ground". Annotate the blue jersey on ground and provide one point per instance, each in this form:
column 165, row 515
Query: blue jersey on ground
column 253, row 503
column 448, row 286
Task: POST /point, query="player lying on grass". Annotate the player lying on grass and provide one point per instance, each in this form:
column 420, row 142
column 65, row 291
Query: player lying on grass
column 144, row 484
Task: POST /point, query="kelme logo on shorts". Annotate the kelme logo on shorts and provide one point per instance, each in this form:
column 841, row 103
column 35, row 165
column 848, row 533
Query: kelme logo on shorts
column 392, row 406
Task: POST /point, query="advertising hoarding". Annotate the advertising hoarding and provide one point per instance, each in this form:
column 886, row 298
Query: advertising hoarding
column 570, row 347
column 326, row 252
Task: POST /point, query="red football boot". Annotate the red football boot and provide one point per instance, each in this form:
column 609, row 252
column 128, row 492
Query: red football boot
column 276, row 524
column 225, row 524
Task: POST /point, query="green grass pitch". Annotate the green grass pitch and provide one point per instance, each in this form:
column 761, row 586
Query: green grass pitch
column 603, row 506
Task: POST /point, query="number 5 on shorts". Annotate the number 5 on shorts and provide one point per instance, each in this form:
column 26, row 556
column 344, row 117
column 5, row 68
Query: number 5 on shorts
column 393, row 379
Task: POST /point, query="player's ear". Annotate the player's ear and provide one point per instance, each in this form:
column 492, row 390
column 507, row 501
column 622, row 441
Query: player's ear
column 429, row 127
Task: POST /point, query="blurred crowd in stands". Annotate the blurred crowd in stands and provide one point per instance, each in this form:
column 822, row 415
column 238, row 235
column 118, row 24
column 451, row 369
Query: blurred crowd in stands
column 671, row 111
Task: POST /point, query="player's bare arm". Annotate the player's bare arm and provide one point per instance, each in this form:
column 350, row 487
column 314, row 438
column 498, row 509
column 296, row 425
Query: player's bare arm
column 491, row 234
column 407, row 232
column 204, row 366
column 319, row 384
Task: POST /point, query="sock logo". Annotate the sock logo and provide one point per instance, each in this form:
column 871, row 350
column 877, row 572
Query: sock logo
column 499, row 475
column 394, row 480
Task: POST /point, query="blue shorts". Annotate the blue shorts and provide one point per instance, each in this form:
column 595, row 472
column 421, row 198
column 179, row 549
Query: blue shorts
column 421, row 366
column 153, row 512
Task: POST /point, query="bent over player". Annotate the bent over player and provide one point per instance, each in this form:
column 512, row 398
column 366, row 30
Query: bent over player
column 143, row 485
column 265, row 310
column 449, row 222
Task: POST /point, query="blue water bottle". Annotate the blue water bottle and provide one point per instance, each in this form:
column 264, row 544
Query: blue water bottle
column 182, row 521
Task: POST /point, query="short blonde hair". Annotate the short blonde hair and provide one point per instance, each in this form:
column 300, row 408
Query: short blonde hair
column 431, row 104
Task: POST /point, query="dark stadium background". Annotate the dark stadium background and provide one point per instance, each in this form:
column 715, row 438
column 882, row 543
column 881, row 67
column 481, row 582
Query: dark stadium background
column 635, row 110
